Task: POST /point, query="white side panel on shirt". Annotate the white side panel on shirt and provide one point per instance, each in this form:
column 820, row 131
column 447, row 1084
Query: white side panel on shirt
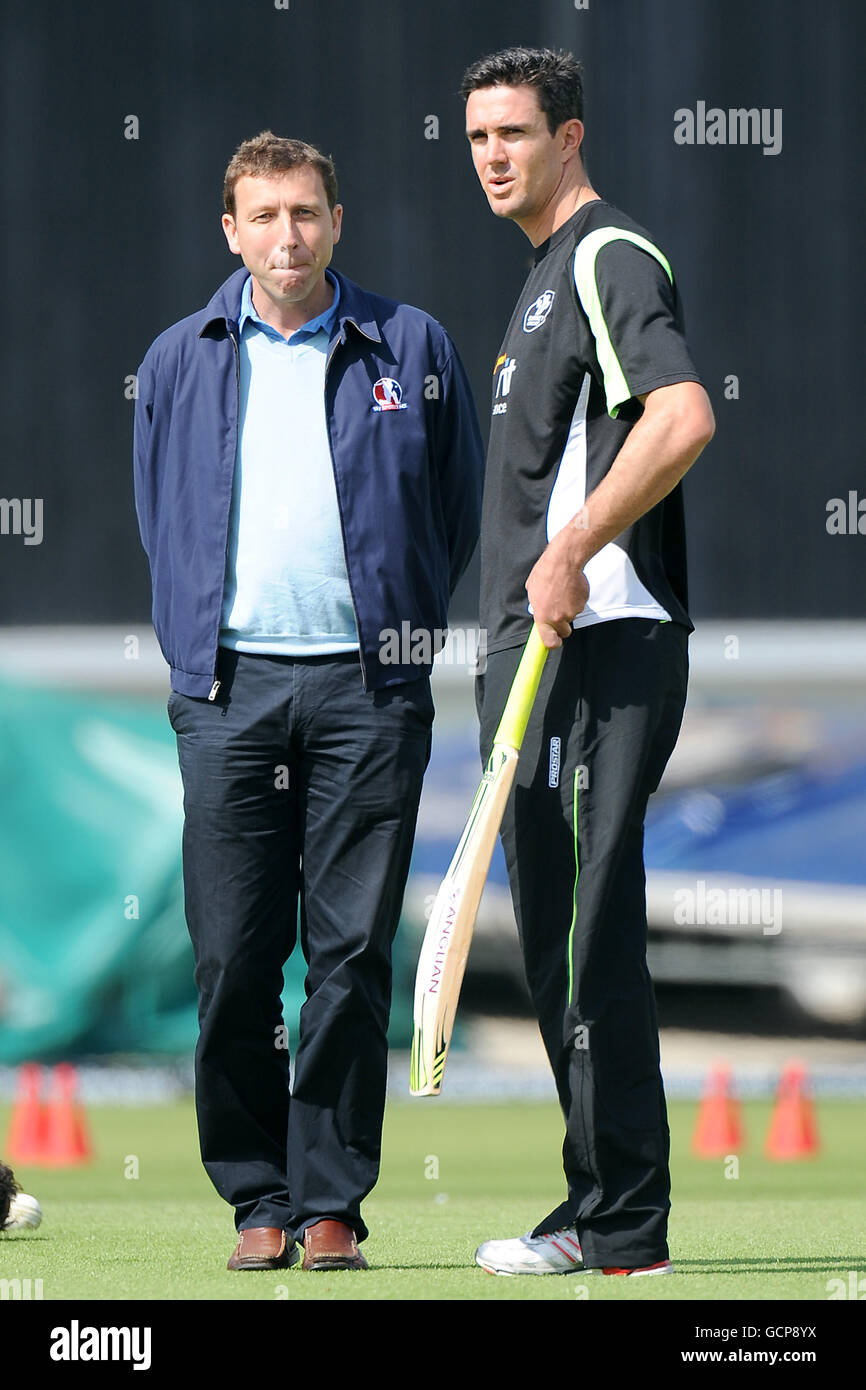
column 615, row 591
column 569, row 490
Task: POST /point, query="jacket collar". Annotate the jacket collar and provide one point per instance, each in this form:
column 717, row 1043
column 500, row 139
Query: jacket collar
column 355, row 307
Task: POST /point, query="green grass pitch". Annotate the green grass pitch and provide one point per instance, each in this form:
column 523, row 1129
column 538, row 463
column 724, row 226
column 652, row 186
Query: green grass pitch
column 452, row 1176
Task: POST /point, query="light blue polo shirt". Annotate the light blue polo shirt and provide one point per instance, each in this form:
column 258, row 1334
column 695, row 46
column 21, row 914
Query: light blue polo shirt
column 286, row 588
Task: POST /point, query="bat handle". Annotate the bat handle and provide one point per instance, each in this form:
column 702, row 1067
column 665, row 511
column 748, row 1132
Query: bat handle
column 515, row 716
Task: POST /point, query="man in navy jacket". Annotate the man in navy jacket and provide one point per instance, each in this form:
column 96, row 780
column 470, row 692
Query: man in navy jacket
column 307, row 478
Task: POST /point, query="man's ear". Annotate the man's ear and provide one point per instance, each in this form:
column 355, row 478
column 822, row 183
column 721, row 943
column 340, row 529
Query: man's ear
column 572, row 137
column 231, row 231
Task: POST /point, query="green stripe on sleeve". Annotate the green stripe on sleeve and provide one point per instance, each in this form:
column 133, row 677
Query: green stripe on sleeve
column 615, row 385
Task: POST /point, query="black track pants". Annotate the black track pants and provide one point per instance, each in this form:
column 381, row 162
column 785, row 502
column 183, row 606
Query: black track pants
column 604, row 724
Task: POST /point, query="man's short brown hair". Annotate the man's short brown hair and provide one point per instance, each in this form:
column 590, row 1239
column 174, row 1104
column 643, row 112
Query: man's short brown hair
column 556, row 77
column 267, row 156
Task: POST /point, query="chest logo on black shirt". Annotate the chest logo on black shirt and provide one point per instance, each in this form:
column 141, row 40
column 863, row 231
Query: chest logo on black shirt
column 502, row 373
column 538, row 311
column 388, row 394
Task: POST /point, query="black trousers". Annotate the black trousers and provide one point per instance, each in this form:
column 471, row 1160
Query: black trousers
column 300, row 788
column 604, row 724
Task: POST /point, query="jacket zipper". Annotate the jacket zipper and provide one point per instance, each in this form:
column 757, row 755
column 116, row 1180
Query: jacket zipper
column 216, row 685
column 340, row 510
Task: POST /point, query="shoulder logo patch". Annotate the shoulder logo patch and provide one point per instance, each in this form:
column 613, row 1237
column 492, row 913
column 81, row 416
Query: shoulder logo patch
column 538, row 311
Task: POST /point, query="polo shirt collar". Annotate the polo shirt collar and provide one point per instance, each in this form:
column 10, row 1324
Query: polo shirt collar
column 356, row 307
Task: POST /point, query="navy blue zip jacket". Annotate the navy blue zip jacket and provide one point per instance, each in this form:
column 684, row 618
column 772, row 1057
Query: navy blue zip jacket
column 408, row 476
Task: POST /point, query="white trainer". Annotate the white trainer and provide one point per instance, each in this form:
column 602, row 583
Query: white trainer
column 556, row 1253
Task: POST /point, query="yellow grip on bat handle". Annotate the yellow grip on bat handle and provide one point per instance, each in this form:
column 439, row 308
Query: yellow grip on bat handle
column 515, row 716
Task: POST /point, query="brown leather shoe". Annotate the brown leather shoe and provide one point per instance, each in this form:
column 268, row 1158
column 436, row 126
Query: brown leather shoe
column 331, row 1245
column 264, row 1247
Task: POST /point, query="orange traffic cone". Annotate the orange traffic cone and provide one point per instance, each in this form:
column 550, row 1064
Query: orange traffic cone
column 27, row 1127
column 718, row 1131
column 66, row 1138
column 792, row 1132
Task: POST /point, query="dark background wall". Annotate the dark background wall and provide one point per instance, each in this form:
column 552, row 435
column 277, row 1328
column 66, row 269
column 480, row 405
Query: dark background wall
column 107, row 240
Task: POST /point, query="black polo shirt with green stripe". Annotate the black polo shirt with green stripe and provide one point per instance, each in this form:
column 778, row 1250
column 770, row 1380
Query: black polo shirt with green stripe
column 599, row 323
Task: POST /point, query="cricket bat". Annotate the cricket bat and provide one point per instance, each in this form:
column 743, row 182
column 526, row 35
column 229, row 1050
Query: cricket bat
column 449, row 931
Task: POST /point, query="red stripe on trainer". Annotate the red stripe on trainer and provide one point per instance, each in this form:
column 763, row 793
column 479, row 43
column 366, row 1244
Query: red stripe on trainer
column 643, row 1269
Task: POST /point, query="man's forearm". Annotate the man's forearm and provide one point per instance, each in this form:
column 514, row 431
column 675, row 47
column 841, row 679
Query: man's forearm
column 659, row 451
column 660, row 448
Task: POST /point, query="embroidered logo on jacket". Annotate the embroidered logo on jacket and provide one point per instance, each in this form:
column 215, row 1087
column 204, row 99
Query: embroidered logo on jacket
column 388, row 394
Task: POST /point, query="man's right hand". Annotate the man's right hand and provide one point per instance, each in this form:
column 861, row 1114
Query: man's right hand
column 558, row 590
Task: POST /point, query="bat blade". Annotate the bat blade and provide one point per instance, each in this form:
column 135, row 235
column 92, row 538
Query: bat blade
column 449, row 932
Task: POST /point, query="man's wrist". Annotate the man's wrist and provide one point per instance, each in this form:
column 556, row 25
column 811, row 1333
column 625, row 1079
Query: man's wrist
column 577, row 540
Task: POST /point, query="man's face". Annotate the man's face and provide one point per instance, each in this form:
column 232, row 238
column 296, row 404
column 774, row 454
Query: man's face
column 520, row 164
column 284, row 232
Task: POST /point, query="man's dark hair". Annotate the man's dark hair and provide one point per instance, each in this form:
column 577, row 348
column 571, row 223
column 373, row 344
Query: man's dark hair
column 555, row 75
column 8, row 1188
column 268, row 155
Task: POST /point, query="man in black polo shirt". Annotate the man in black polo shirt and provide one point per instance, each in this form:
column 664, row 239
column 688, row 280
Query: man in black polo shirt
column 597, row 413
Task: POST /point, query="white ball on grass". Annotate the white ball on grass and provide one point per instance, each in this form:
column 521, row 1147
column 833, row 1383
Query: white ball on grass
column 24, row 1212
